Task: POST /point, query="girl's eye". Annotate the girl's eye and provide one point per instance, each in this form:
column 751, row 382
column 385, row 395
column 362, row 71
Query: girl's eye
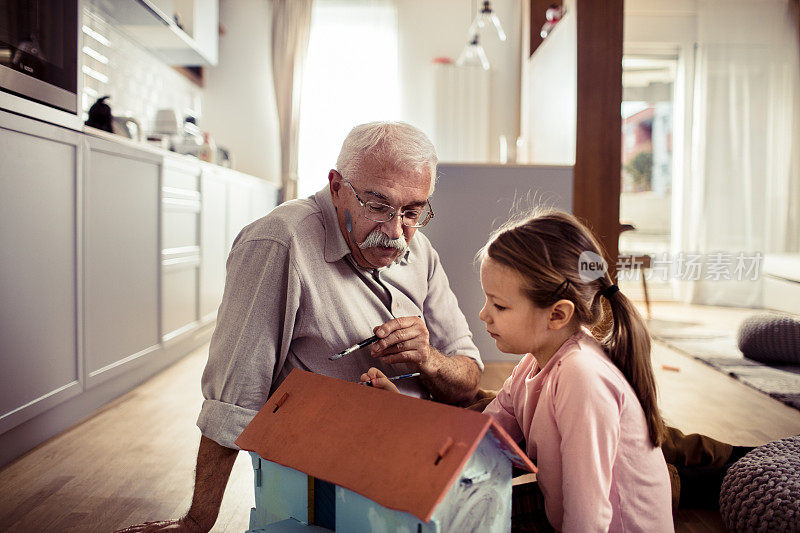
column 499, row 307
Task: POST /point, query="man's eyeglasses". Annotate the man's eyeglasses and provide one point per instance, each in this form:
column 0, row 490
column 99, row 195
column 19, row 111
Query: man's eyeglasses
column 378, row 212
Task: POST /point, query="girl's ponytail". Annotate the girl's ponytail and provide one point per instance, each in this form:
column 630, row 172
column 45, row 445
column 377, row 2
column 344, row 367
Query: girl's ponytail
column 628, row 345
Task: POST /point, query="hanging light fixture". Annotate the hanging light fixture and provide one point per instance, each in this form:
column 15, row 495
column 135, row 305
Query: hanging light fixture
column 485, row 17
column 473, row 54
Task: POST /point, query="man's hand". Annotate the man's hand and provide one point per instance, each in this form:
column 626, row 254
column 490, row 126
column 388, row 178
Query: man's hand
column 406, row 340
column 181, row 525
column 378, row 380
column 214, row 465
column 449, row 378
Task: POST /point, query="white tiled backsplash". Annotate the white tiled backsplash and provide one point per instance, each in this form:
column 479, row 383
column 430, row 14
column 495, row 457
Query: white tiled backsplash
column 137, row 81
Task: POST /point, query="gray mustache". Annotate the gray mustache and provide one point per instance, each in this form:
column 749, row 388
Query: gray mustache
column 379, row 239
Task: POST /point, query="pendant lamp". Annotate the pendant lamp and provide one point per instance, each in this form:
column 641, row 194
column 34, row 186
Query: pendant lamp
column 486, row 17
column 473, row 54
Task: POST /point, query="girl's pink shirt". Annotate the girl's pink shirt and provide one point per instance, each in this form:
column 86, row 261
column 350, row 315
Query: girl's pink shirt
column 587, row 433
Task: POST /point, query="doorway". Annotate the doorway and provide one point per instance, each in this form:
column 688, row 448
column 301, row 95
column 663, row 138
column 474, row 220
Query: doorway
column 648, row 88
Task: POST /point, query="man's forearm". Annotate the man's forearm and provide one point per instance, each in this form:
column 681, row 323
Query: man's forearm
column 451, row 379
column 214, row 465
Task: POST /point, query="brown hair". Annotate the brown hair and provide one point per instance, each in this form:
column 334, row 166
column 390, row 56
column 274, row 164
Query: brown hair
column 545, row 249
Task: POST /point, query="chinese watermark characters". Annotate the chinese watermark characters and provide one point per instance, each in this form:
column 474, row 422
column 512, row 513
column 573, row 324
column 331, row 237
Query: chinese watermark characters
column 687, row 266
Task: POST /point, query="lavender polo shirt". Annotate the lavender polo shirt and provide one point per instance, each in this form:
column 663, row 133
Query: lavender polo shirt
column 294, row 296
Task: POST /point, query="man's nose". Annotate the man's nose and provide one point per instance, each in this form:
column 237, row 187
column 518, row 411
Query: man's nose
column 394, row 226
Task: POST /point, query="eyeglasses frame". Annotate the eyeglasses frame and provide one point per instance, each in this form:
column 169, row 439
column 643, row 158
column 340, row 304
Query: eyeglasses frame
column 394, row 210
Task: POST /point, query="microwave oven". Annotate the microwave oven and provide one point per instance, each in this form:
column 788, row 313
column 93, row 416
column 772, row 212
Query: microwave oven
column 39, row 51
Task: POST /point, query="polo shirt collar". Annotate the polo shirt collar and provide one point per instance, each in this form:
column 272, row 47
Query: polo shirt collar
column 335, row 244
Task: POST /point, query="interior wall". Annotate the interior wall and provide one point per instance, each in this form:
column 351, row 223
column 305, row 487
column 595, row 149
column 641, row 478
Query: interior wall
column 650, row 23
column 550, row 83
column 239, row 97
column 439, row 29
column 457, row 233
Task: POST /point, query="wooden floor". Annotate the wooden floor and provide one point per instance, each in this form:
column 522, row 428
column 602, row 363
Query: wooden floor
column 134, row 460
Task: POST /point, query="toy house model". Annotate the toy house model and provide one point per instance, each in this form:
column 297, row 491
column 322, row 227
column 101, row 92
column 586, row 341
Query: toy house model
column 338, row 455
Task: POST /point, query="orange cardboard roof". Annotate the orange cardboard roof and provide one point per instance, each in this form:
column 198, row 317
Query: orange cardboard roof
column 401, row 452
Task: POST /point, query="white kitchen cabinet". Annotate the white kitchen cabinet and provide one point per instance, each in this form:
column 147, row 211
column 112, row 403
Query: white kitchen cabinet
column 248, row 200
column 39, row 345
column 152, row 23
column 201, row 21
column 214, row 241
column 263, row 199
column 113, row 266
column 231, row 200
column 121, row 258
column 238, row 210
column 180, row 254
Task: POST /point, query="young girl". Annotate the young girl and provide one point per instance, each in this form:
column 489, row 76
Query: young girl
column 586, row 408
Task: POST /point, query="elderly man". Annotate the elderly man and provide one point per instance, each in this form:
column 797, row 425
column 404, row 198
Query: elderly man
column 318, row 275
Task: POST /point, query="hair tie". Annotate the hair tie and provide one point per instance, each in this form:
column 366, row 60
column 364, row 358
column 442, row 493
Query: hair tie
column 561, row 289
column 609, row 291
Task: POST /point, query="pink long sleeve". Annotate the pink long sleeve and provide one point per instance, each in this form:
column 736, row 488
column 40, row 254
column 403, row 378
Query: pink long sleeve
column 587, row 415
column 502, row 408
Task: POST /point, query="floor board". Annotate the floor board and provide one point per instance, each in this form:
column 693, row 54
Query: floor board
column 134, row 460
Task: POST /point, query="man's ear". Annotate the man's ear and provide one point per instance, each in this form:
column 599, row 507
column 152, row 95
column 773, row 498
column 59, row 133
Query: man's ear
column 561, row 314
column 335, row 180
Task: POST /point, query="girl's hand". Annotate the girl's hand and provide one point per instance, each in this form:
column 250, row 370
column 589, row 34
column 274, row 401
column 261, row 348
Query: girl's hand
column 378, row 380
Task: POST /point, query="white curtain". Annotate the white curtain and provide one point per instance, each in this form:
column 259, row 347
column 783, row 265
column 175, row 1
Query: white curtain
column 291, row 25
column 351, row 77
column 742, row 194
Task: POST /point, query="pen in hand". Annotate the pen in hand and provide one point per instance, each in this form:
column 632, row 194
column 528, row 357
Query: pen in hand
column 358, row 346
column 353, row 348
column 393, row 378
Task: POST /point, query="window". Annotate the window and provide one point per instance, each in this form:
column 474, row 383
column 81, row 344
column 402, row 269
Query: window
column 350, row 77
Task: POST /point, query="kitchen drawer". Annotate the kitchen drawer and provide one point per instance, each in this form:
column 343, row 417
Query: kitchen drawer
column 180, row 229
column 180, row 174
column 180, row 209
column 179, row 293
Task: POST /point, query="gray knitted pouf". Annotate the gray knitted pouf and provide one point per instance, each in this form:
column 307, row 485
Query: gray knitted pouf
column 761, row 491
column 771, row 339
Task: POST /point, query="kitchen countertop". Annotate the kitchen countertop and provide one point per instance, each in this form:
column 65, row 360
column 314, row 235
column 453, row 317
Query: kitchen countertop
column 149, row 148
column 130, row 143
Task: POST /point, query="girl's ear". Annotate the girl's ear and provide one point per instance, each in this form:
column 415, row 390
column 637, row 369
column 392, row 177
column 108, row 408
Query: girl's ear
column 561, row 314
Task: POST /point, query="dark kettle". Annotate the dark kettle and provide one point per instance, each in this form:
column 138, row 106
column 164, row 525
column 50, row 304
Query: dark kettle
column 100, row 115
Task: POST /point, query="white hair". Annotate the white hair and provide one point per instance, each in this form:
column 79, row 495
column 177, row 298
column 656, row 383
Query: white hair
column 395, row 144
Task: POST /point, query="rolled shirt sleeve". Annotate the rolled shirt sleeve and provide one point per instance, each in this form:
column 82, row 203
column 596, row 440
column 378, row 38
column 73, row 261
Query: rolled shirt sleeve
column 254, row 329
